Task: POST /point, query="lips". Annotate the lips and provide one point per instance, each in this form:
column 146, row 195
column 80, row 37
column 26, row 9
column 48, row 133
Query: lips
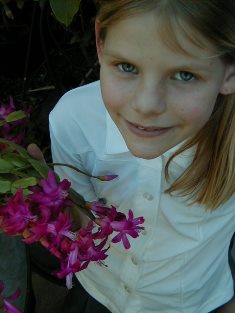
column 146, row 131
column 148, row 128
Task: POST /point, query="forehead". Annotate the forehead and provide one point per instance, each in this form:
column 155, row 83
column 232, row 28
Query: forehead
column 178, row 35
column 175, row 33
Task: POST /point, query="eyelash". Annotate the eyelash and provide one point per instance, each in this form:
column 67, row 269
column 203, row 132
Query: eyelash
column 193, row 77
column 120, row 67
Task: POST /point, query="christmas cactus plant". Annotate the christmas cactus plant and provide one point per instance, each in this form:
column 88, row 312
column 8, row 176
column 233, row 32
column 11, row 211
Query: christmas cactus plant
column 36, row 205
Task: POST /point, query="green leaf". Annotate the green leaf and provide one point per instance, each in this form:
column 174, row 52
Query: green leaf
column 41, row 3
column 15, row 147
column 24, row 183
column 5, row 186
column 4, row 1
column 20, row 3
column 5, row 166
column 15, row 116
column 6, row 9
column 65, row 10
column 40, row 166
column 76, row 198
column 76, row 217
column 15, row 160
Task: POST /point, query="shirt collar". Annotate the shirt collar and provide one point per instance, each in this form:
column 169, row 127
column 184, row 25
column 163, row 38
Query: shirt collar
column 115, row 144
column 184, row 159
column 114, row 141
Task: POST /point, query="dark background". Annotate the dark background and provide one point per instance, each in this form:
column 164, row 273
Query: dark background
column 41, row 59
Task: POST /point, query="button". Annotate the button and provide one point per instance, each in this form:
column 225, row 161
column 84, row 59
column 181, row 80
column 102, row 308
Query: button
column 148, row 196
column 128, row 290
column 134, row 260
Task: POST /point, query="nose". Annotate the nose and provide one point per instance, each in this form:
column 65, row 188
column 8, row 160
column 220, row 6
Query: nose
column 149, row 98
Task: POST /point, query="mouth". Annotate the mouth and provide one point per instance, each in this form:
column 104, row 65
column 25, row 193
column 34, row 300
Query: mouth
column 147, row 131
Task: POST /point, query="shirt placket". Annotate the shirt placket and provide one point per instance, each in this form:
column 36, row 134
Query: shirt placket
column 146, row 204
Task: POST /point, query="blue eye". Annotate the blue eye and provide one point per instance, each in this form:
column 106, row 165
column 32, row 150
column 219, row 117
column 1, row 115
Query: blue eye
column 127, row 68
column 184, row 76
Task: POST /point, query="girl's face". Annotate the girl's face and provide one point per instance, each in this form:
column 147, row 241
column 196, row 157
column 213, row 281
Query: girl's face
column 156, row 96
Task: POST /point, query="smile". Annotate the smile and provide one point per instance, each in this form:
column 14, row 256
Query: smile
column 146, row 131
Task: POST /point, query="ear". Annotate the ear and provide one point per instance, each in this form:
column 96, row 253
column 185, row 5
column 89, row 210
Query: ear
column 228, row 85
column 99, row 42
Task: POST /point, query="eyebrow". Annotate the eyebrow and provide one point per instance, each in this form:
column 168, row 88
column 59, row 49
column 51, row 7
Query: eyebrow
column 114, row 54
column 193, row 67
column 187, row 66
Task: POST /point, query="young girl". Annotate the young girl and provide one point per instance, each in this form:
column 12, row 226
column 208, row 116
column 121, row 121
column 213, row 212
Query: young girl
column 162, row 117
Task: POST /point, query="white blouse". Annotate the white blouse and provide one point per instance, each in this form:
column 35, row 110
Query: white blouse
column 179, row 264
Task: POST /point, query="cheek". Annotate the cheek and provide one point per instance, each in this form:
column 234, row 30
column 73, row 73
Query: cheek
column 196, row 109
column 196, row 114
column 112, row 94
column 111, row 99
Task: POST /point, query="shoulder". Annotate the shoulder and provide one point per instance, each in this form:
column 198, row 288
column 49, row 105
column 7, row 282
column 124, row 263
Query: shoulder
column 78, row 102
column 80, row 115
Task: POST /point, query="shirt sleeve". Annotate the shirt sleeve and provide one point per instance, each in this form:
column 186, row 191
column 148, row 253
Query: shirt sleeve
column 62, row 154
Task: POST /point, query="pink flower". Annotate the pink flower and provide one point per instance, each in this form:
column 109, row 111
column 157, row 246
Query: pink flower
column 88, row 251
column 110, row 220
column 106, row 217
column 39, row 227
column 100, row 210
column 16, row 214
column 71, row 264
column 17, row 139
column 127, row 227
column 51, row 193
column 51, row 232
column 7, row 307
column 79, row 253
column 60, row 228
column 44, row 216
column 5, row 110
column 11, row 131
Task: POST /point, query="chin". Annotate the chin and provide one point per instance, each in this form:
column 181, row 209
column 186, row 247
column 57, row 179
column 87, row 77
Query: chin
column 145, row 155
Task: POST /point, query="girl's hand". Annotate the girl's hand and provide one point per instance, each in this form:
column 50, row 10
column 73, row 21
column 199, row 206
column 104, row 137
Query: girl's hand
column 228, row 307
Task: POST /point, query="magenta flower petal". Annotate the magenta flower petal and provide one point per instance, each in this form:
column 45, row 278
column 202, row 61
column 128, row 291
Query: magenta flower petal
column 5, row 110
column 1, row 286
column 9, row 308
column 16, row 214
column 12, row 131
column 127, row 227
column 71, row 265
column 60, row 228
column 50, row 183
column 37, row 231
column 51, row 193
column 88, row 251
column 123, row 238
column 69, row 280
column 15, row 295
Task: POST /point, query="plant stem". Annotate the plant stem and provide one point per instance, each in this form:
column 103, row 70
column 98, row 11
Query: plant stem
column 72, row 167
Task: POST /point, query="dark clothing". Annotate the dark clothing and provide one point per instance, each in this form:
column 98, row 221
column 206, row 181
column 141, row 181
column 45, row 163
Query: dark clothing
column 79, row 301
column 13, row 268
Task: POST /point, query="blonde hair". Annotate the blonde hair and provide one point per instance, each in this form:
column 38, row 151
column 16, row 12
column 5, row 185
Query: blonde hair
column 210, row 179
